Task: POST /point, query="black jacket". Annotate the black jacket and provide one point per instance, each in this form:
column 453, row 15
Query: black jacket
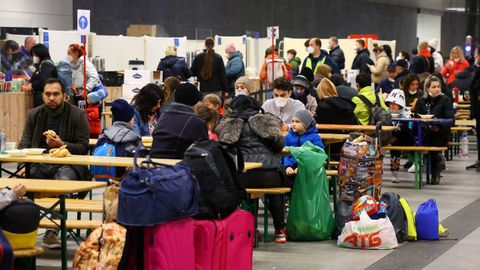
column 177, row 128
column 398, row 84
column 475, row 93
column 336, row 110
column 463, row 80
column 45, row 70
column 338, row 57
column 422, row 64
column 362, row 60
column 174, row 66
column 219, row 80
column 442, row 107
column 73, row 130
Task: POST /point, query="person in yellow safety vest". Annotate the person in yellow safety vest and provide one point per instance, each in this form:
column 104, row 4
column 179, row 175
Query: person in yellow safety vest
column 318, row 56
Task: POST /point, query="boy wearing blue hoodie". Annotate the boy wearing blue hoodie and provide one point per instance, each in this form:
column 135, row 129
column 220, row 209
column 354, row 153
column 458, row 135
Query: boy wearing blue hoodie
column 303, row 129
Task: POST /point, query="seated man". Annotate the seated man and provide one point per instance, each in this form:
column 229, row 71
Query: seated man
column 178, row 126
column 282, row 105
column 362, row 111
column 71, row 127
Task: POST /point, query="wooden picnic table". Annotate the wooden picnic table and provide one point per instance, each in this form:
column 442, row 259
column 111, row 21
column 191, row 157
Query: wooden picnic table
column 471, row 123
column 350, row 128
column 55, row 188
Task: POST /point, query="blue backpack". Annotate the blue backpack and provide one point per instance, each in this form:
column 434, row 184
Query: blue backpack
column 104, row 173
column 426, row 220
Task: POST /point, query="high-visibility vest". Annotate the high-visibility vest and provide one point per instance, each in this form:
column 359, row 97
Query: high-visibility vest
column 308, row 64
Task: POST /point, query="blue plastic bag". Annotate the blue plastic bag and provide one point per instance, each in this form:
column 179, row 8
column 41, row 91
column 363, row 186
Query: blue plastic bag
column 426, row 220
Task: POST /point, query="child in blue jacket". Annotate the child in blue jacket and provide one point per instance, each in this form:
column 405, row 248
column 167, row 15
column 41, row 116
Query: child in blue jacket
column 303, row 129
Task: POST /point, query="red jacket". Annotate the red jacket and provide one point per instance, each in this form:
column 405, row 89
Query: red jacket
column 451, row 68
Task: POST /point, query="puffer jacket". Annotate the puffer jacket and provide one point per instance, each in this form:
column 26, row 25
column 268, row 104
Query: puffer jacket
column 379, row 70
column 336, row 110
column 234, row 69
column 296, row 140
column 362, row 60
column 259, row 138
column 338, row 56
column 77, row 75
column 174, row 66
column 442, row 107
column 362, row 111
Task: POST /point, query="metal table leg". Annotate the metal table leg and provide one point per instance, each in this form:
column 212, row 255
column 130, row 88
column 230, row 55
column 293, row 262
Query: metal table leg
column 63, row 231
column 265, row 220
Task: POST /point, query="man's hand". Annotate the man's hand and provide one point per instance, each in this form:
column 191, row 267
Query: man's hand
column 21, row 173
column 290, row 171
column 20, row 190
column 54, row 142
column 27, row 88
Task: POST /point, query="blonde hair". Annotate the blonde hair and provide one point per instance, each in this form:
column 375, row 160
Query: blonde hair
column 214, row 99
column 460, row 52
column 324, row 70
column 171, row 51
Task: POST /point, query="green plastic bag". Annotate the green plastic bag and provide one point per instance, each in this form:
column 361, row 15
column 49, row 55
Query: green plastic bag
column 310, row 217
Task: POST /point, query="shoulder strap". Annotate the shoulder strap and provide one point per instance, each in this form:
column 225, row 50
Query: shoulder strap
column 365, row 100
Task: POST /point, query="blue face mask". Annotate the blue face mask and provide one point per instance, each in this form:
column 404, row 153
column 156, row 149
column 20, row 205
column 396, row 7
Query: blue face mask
column 298, row 95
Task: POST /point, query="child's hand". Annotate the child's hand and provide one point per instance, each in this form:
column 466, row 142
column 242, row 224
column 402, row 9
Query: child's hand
column 20, row 190
column 290, row 171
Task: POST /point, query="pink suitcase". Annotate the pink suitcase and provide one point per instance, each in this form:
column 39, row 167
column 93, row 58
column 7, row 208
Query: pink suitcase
column 169, row 246
column 225, row 244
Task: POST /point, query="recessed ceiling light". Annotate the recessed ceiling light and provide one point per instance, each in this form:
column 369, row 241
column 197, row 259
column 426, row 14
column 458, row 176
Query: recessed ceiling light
column 457, row 9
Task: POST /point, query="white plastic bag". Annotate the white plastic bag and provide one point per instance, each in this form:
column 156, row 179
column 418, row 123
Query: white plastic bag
column 368, row 234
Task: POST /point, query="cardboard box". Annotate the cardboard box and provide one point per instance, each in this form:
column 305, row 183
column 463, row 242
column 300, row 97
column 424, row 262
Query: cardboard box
column 130, row 90
column 138, row 77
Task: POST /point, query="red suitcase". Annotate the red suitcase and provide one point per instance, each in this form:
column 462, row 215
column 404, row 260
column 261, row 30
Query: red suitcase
column 225, row 244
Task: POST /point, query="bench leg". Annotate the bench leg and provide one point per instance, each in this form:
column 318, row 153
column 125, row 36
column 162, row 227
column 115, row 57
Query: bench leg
column 265, row 220
column 417, row 160
column 427, row 170
column 334, row 195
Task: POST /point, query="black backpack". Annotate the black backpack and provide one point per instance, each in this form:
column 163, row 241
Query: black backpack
column 396, row 214
column 216, row 167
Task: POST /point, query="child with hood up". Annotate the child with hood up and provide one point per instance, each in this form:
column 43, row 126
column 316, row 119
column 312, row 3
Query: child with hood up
column 402, row 136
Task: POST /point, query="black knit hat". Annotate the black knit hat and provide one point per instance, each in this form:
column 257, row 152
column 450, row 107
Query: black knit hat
column 187, row 94
column 121, row 111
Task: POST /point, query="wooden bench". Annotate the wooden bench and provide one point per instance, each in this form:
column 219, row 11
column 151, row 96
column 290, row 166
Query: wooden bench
column 454, row 144
column 73, row 205
column 29, row 256
column 71, row 224
column 417, row 151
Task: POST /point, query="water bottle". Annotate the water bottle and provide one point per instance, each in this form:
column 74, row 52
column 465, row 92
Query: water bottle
column 464, row 145
column 3, row 143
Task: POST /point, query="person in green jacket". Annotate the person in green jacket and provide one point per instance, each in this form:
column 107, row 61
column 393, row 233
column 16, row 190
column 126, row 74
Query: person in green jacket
column 294, row 61
column 362, row 111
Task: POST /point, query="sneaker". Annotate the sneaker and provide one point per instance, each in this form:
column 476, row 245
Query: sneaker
column 411, row 169
column 475, row 166
column 280, row 236
column 395, row 177
column 408, row 164
column 50, row 240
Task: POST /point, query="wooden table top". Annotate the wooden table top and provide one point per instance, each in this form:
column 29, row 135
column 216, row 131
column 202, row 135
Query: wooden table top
column 368, row 128
column 52, row 186
column 465, row 122
column 463, row 106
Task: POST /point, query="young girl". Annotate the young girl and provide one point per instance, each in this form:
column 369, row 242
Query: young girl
column 212, row 101
column 210, row 116
column 402, row 136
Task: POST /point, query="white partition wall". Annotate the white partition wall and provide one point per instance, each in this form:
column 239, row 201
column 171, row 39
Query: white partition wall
column 256, row 48
column 155, row 49
column 58, row 42
column 117, row 50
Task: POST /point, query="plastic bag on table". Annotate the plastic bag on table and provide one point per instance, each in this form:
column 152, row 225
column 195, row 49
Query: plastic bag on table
column 310, row 217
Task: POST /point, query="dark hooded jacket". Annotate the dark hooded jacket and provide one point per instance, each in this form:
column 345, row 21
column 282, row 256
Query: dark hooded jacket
column 336, row 110
column 174, row 66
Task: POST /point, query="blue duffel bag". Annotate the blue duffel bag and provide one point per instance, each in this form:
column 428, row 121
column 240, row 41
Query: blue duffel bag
column 154, row 193
column 426, row 220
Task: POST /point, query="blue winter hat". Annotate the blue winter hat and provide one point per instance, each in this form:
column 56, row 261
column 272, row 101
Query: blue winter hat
column 122, row 111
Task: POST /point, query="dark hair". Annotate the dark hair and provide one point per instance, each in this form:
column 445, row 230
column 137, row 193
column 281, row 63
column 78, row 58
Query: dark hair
column 363, row 80
column 388, row 50
column 52, row 81
column 292, row 51
column 406, row 55
column 337, row 79
column 172, row 83
column 244, row 107
column 334, row 39
column 41, row 51
column 414, row 51
column 77, row 49
column 377, row 49
column 306, row 43
column 282, row 84
column 10, row 45
column 308, row 73
column 208, row 115
column 146, row 99
column 318, row 41
column 361, row 42
column 207, row 70
column 409, row 79
column 270, row 50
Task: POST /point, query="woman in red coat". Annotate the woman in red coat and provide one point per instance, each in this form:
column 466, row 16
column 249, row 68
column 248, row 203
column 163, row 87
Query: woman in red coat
column 456, row 64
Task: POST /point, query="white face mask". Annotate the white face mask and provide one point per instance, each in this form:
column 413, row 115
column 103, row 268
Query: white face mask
column 412, row 92
column 310, row 50
column 36, row 60
column 280, row 101
column 398, row 58
column 240, row 93
column 69, row 59
column 289, row 57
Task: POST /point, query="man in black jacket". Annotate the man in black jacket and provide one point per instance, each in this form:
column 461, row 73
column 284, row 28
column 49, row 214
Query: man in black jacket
column 401, row 69
column 362, row 60
column 71, row 127
column 336, row 53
